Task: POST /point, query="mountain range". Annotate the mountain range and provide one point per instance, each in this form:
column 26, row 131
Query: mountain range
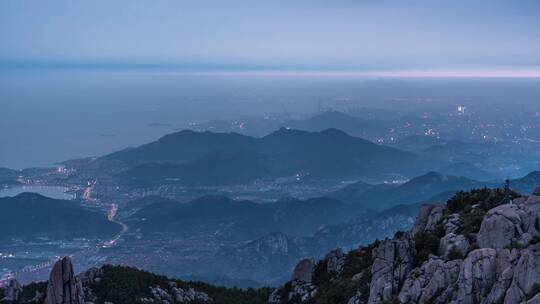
column 189, row 157
column 356, row 126
column 226, row 218
column 464, row 251
column 418, row 189
column 433, row 186
column 30, row 215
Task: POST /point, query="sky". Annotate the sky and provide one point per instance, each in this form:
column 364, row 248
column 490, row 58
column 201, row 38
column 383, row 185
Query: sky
column 458, row 36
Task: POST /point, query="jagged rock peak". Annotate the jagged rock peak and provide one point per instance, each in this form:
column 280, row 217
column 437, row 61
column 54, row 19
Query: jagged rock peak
column 303, row 272
column 12, row 291
column 482, row 248
column 63, row 287
column 509, row 224
column 334, row 261
column 174, row 294
column 428, row 217
column 392, row 261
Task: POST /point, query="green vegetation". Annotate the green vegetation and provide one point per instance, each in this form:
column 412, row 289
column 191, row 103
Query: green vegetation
column 333, row 288
column 30, row 290
column 473, row 206
column 454, row 254
column 535, row 240
column 124, row 285
column 515, row 245
column 399, row 234
column 394, row 300
column 338, row 291
column 483, row 198
column 534, row 291
column 427, row 243
column 339, row 288
column 358, row 260
column 285, row 290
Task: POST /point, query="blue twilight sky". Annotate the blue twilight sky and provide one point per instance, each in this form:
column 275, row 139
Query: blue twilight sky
column 294, row 34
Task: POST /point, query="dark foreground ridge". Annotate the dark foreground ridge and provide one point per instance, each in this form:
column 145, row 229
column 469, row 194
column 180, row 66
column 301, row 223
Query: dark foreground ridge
column 483, row 246
column 122, row 285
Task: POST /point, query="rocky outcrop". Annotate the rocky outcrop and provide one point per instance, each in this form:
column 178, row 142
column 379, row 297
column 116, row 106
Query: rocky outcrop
column 90, row 276
column 526, row 275
column 63, row 287
column 477, row 275
column 423, row 285
column 484, row 256
column 392, row 261
column 177, row 295
column 334, row 261
column 453, row 242
column 297, row 291
column 509, row 224
column 302, row 291
column 452, row 223
column 303, row 272
column 160, row 295
column 300, row 287
column 189, row 295
column 499, row 289
column 358, row 298
column 428, row 217
column 11, row 291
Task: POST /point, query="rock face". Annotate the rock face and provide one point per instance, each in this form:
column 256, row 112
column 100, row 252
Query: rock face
column 300, row 286
column 456, row 242
column 452, row 223
column 477, row 275
column 190, row 295
column 484, row 256
column 509, row 224
column 12, row 291
column 428, row 217
column 175, row 294
column 392, row 261
column 526, row 275
column 424, row 284
column 89, row 276
column 63, row 287
column 334, row 261
column 303, row 272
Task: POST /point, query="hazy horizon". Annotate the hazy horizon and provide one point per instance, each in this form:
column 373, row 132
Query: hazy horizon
column 73, row 113
column 362, row 36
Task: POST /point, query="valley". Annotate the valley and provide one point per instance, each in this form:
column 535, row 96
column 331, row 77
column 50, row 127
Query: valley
column 236, row 228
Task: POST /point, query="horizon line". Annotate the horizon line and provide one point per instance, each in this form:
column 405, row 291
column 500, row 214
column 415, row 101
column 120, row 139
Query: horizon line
column 224, row 70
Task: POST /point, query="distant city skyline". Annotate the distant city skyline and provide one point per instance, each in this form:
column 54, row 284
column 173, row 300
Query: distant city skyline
column 379, row 38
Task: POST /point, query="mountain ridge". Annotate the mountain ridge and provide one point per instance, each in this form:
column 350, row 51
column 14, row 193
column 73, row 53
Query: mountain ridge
column 467, row 251
column 50, row 217
column 330, row 153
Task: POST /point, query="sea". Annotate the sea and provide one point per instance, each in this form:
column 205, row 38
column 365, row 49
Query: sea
column 51, row 115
